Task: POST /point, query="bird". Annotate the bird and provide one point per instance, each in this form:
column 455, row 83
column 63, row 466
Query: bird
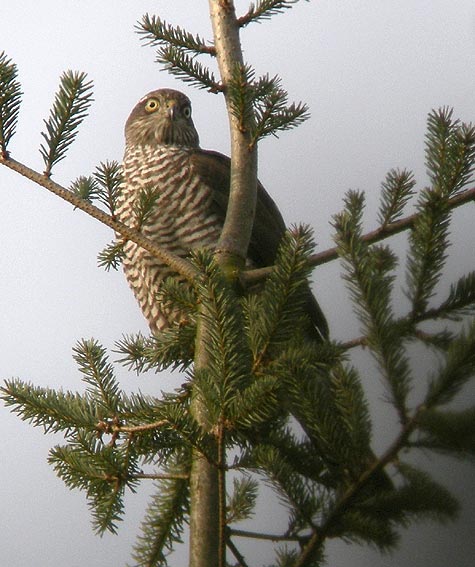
column 189, row 189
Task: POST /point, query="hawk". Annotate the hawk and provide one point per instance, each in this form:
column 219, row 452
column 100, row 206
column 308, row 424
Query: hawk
column 189, row 187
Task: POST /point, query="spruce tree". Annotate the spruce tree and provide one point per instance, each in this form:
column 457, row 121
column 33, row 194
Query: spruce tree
column 259, row 403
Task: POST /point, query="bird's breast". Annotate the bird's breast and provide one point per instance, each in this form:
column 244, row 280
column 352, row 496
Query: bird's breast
column 180, row 216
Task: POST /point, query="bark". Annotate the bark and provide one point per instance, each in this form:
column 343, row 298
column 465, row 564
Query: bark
column 237, row 228
column 204, row 516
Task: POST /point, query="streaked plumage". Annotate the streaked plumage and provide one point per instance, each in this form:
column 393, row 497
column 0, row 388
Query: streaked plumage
column 190, row 188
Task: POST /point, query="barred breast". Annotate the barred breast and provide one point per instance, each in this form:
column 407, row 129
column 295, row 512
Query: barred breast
column 180, row 219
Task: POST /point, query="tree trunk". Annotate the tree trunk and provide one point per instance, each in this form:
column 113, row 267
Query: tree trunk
column 207, row 545
column 204, row 517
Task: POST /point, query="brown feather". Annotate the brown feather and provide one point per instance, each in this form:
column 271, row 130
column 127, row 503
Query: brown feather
column 192, row 192
column 269, row 227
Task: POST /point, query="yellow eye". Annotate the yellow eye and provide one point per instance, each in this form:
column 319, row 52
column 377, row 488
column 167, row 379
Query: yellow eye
column 152, row 105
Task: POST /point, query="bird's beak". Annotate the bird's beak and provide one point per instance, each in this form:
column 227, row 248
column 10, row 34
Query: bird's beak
column 172, row 112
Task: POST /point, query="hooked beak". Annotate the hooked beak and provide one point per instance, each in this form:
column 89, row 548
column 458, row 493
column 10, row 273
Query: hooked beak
column 172, row 112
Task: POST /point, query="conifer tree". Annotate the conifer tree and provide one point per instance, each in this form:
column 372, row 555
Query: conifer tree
column 260, row 404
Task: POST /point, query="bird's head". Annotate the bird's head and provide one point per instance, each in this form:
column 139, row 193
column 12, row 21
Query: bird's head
column 162, row 117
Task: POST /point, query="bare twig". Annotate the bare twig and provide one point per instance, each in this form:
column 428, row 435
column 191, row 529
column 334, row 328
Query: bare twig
column 162, row 476
column 112, row 427
column 264, row 536
column 237, row 554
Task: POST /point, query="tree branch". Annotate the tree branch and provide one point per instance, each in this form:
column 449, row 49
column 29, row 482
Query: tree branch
column 178, row 264
column 162, row 476
column 237, row 554
column 322, row 531
column 111, row 427
column 264, row 536
column 159, row 32
column 264, row 10
column 183, row 267
column 250, row 277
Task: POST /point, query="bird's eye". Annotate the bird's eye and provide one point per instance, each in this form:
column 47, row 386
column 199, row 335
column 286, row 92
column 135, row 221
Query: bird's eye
column 187, row 111
column 152, row 105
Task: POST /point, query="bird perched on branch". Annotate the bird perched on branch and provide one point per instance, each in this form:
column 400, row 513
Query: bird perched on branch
column 189, row 190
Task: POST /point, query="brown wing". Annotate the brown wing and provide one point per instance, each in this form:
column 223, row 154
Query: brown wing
column 269, row 226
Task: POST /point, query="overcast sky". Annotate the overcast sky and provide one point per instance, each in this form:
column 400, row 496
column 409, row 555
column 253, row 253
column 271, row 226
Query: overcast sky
column 370, row 71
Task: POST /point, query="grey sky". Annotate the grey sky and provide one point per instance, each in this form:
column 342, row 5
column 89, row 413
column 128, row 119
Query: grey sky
column 370, row 70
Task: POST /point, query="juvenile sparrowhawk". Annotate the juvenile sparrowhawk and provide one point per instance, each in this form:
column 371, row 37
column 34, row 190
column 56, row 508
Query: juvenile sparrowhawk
column 190, row 188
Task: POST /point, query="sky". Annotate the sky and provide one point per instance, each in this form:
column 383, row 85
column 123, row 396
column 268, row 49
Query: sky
column 370, row 70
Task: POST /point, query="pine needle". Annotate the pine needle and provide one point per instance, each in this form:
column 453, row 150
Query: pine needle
column 70, row 107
